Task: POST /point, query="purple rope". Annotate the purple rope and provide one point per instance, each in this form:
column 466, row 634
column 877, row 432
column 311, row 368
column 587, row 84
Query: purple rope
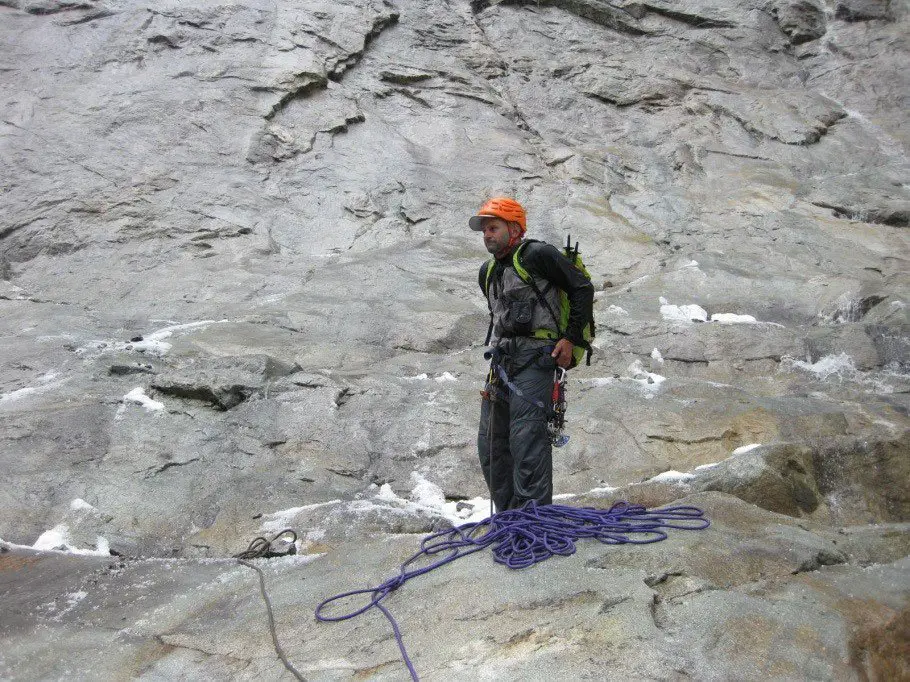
column 522, row 538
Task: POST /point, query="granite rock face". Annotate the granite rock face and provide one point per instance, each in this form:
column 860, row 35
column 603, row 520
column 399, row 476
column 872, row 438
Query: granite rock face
column 759, row 594
column 237, row 289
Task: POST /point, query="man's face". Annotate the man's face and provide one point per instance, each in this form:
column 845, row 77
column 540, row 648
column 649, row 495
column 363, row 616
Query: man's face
column 495, row 235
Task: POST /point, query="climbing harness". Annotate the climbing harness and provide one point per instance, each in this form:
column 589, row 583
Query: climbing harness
column 261, row 548
column 521, row 538
column 555, row 411
column 496, row 356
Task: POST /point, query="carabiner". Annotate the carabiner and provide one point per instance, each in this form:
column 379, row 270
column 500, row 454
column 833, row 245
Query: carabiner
column 561, row 374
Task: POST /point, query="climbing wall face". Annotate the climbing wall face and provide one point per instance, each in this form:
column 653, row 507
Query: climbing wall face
column 236, row 278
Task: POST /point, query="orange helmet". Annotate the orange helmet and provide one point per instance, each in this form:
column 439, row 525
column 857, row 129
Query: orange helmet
column 499, row 207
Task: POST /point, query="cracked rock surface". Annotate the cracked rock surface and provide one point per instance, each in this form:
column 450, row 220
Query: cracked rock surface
column 238, row 293
column 759, row 592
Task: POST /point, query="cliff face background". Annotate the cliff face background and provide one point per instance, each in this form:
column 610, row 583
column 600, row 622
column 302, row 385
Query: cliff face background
column 238, row 289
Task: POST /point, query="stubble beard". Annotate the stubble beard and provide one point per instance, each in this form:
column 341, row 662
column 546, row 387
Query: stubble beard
column 494, row 246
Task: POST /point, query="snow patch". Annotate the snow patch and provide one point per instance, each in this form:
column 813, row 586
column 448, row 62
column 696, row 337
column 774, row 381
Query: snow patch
column 616, row 310
column 743, row 449
column 852, row 113
column 682, row 313
column 45, row 383
column 738, row 451
column 656, row 356
column 692, row 266
column 155, row 344
column 151, row 344
column 74, row 598
column 672, row 477
column 637, row 373
column 55, row 538
column 733, row 318
column 386, row 494
column 445, row 376
column 426, row 496
column 92, row 347
column 58, row 539
column 597, row 382
column 138, row 397
column 279, row 520
column 648, row 380
column 81, row 505
column 600, row 490
column 426, row 493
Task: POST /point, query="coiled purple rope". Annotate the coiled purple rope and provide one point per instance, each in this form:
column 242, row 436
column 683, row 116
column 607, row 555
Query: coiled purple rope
column 524, row 537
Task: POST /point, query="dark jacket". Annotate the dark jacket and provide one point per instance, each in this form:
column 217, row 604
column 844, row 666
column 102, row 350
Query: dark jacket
column 549, row 268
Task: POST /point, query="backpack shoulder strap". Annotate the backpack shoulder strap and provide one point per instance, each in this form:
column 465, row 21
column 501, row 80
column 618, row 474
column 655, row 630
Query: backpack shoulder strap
column 486, row 282
column 529, row 280
column 518, row 265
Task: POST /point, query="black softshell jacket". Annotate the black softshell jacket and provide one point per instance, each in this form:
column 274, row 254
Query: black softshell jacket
column 546, row 261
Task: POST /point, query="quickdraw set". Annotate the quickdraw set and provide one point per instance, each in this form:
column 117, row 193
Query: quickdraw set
column 557, row 420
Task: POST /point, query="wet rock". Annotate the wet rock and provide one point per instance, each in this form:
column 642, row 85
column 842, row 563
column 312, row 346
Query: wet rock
column 685, row 603
column 790, row 117
column 53, row 6
column 863, row 481
column 777, row 478
column 133, row 368
column 615, row 84
column 879, row 651
column 81, row 530
column 863, row 10
column 801, row 20
column 844, row 484
column 224, row 382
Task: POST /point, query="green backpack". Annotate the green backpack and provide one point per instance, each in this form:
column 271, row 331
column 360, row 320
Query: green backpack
column 561, row 318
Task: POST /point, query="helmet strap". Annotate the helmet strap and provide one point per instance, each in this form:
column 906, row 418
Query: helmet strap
column 515, row 235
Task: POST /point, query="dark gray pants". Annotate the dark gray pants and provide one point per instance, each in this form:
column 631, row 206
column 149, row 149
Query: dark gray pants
column 517, row 461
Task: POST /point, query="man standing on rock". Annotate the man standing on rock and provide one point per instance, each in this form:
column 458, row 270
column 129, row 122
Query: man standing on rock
column 528, row 342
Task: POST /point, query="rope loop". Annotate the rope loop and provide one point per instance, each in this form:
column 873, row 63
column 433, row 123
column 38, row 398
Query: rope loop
column 520, row 538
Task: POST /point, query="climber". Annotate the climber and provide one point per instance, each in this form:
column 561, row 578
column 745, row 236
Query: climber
column 529, row 336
